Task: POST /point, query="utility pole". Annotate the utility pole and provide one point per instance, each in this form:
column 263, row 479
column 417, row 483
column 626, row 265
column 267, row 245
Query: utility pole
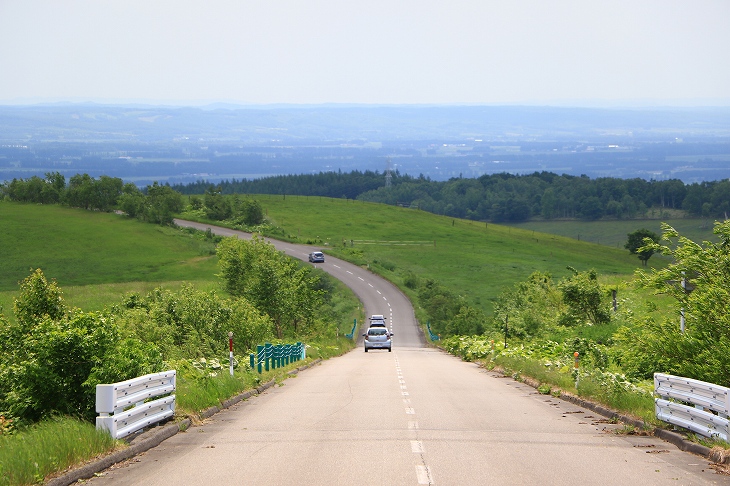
column 388, row 174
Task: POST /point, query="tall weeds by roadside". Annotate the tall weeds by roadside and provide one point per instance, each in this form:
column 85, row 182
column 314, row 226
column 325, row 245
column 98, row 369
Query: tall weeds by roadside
column 47, row 447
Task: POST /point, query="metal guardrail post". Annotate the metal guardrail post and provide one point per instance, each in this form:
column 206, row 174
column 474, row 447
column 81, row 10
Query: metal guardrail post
column 268, row 354
column 260, row 350
column 351, row 334
column 433, row 336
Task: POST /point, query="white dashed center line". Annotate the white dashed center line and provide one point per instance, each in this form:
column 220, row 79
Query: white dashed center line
column 423, row 473
column 417, row 446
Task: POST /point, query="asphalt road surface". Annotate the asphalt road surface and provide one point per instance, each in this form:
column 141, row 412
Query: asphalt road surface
column 413, row 416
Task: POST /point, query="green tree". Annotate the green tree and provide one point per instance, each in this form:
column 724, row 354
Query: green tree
column 132, row 200
column 468, row 322
column 107, row 191
column 274, row 283
column 529, row 306
column 637, row 244
column 195, row 202
column 217, row 207
column 37, row 299
column 161, row 204
column 252, row 213
column 190, row 323
column 55, row 188
column 584, row 298
column 703, row 350
column 80, row 192
column 440, row 304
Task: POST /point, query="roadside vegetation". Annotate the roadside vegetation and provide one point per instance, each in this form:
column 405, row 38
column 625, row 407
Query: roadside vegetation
column 52, row 353
column 151, row 297
column 481, row 286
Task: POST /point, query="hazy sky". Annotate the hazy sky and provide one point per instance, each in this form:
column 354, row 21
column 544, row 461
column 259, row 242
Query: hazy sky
column 582, row 52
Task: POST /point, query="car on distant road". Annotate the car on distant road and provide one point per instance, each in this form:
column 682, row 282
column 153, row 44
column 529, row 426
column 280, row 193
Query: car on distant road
column 377, row 320
column 378, row 338
column 316, row 257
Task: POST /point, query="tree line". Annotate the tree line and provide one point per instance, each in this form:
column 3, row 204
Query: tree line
column 498, row 197
column 155, row 204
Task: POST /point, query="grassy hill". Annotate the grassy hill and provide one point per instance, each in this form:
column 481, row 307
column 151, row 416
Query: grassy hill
column 476, row 260
column 614, row 233
column 96, row 257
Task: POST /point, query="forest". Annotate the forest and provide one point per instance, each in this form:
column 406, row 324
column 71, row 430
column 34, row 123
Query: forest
column 497, row 197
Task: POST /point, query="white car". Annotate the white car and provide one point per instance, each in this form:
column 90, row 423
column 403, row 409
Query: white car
column 377, row 320
column 378, row 338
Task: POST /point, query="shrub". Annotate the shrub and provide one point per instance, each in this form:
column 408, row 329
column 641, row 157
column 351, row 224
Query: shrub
column 61, row 362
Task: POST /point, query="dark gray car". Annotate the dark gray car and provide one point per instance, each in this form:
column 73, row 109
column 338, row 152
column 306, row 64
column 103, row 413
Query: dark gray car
column 316, row 257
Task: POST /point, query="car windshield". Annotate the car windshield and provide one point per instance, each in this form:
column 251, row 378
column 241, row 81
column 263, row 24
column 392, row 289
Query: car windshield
column 376, row 332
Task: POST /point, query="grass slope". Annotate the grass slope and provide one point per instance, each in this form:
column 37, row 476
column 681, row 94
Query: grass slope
column 476, row 260
column 615, row 233
column 95, row 257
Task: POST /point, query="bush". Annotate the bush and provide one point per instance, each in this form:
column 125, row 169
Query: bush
column 62, row 357
column 190, row 323
column 61, row 362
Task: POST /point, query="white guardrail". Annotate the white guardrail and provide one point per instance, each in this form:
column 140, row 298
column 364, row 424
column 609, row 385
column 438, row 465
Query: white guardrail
column 695, row 405
column 122, row 406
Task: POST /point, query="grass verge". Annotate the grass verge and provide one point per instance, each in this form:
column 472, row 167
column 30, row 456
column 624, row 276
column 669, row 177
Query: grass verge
column 30, row 455
column 50, row 446
column 591, row 387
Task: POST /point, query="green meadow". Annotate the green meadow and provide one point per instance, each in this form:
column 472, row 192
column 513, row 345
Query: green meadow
column 96, row 257
column 476, row 260
column 614, row 233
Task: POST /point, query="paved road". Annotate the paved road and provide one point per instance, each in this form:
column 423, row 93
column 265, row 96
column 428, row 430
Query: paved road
column 377, row 295
column 413, row 416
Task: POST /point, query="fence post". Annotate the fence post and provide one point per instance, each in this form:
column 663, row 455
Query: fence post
column 260, row 356
column 268, row 353
column 577, row 372
column 230, row 349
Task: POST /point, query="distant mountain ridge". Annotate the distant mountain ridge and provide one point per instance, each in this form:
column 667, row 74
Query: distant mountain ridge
column 143, row 144
column 374, row 123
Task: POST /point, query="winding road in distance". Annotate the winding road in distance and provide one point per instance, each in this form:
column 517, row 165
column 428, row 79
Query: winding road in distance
column 413, row 416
